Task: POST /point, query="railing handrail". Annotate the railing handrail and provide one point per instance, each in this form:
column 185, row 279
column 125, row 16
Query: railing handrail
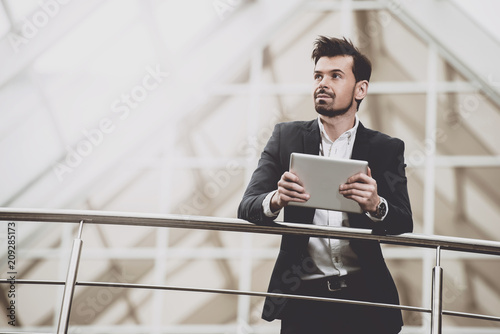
column 238, row 225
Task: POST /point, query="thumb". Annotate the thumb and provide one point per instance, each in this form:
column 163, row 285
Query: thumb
column 369, row 172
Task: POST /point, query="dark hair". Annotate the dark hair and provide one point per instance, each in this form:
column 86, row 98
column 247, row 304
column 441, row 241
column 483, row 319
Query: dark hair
column 331, row 47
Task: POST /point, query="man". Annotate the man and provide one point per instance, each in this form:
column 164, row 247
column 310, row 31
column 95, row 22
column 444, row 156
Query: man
column 328, row 267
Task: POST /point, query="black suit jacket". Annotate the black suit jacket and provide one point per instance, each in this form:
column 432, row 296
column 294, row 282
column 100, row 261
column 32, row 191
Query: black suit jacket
column 385, row 158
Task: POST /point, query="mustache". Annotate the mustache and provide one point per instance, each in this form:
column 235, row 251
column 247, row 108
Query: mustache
column 322, row 91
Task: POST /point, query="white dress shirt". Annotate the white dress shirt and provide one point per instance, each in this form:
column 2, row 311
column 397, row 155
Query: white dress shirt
column 333, row 257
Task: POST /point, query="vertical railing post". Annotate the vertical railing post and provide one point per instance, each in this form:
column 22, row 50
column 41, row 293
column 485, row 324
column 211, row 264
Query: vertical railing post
column 69, row 287
column 437, row 295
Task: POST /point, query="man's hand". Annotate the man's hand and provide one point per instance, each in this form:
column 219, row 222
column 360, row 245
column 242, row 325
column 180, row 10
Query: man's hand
column 362, row 188
column 290, row 189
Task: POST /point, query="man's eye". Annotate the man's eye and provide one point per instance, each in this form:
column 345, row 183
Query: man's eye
column 336, row 76
column 317, row 77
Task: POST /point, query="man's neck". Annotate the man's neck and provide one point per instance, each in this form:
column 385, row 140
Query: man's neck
column 335, row 126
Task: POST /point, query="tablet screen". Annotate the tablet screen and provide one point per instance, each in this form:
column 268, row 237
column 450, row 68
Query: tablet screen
column 322, row 177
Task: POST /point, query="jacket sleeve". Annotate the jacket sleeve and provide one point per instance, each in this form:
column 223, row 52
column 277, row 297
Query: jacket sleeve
column 392, row 185
column 264, row 180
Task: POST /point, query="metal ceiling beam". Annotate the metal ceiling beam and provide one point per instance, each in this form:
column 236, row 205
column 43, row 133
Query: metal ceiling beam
column 38, row 33
column 70, row 192
column 456, row 37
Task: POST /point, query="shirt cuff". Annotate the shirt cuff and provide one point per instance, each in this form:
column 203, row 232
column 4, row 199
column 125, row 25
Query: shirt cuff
column 375, row 219
column 266, row 205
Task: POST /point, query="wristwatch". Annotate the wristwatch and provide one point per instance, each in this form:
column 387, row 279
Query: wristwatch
column 381, row 209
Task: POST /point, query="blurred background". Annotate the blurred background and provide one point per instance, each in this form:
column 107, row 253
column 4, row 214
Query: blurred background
column 160, row 106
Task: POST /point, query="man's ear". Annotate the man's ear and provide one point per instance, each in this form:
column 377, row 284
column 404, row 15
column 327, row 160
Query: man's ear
column 361, row 90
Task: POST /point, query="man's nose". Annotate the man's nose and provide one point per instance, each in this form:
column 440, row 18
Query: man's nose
column 323, row 82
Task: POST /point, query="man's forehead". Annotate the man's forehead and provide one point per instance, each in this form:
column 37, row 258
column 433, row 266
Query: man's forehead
column 342, row 62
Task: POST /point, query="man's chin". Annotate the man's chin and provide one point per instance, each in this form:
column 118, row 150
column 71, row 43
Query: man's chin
column 330, row 112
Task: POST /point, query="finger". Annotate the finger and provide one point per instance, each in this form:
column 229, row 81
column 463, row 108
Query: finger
column 289, row 176
column 360, row 200
column 360, row 177
column 369, row 172
column 287, row 199
column 356, row 192
column 294, row 194
column 292, row 197
column 359, row 186
column 291, row 186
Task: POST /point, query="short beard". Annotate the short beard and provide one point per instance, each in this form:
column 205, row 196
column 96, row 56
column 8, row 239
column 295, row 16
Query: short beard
column 323, row 110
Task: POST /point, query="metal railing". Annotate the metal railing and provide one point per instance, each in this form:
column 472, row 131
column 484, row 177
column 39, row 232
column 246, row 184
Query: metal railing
column 438, row 243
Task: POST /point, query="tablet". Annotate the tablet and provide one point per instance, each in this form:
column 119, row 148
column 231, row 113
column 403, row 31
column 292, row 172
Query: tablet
column 322, row 177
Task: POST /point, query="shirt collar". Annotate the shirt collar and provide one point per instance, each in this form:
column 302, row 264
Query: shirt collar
column 349, row 134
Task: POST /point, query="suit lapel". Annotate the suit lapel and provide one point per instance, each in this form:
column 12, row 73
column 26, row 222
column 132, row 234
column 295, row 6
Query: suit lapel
column 312, row 138
column 360, row 151
column 361, row 144
column 311, row 142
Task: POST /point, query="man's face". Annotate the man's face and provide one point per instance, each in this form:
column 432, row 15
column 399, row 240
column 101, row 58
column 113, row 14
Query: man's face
column 334, row 86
